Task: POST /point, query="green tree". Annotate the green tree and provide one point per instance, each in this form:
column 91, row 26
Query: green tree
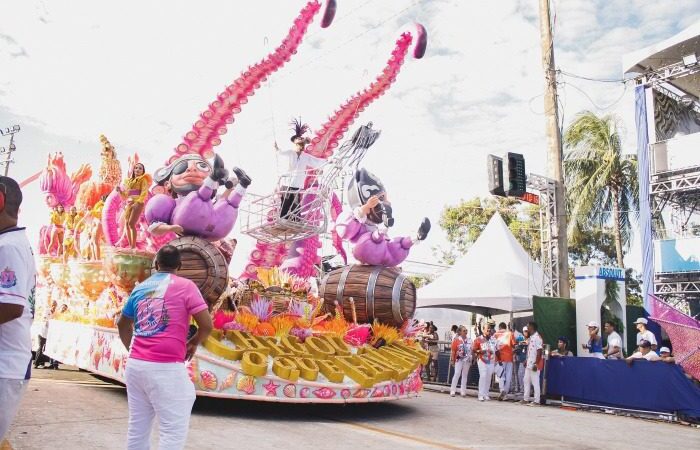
column 595, row 245
column 633, row 287
column 420, row 280
column 601, row 182
column 464, row 222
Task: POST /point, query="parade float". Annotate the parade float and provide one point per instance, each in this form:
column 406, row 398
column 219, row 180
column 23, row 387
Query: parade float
column 277, row 337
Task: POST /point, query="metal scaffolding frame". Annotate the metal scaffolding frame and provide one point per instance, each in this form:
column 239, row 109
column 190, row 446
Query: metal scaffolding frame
column 679, row 190
column 548, row 231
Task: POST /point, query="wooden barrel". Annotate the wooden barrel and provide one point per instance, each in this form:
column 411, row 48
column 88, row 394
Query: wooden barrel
column 204, row 264
column 381, row 293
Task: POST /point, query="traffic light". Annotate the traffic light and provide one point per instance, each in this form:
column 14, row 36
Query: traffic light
column 517, row 179
column 495, row 167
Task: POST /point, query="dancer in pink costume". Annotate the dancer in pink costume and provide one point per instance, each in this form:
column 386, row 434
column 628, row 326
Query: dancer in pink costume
column 366, row 225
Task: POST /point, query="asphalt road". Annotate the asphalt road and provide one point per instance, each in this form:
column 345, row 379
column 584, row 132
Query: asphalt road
column 70, row 409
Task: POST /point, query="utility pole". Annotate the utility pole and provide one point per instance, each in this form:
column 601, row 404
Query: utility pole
column 8, row 160
column 555, row 168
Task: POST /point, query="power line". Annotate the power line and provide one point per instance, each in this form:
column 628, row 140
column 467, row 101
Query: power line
column 595, row 105
column 598, row 80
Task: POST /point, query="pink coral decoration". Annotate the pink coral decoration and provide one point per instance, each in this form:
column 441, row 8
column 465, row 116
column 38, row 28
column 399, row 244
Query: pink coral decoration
column 358, row 335
column 221, row 318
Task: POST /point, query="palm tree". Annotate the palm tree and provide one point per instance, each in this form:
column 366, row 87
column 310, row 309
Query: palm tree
column 601, row 182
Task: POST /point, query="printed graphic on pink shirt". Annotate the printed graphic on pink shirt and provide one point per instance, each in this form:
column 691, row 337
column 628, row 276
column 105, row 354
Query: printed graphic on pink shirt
column 152, row 316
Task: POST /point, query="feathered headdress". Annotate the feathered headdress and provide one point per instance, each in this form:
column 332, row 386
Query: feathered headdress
column 298, row 128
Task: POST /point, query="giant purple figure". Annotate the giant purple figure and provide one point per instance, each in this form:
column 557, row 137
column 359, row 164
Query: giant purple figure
column 367, row 223
column 191, row 206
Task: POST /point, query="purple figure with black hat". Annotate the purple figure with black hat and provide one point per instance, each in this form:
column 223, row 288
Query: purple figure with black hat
column 366, row 225
column 191, row 206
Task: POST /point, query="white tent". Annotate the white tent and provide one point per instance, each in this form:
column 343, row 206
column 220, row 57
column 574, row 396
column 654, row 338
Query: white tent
column 495, row 276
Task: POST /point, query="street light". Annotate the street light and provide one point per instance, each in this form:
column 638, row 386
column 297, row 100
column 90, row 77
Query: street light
column 12, row 148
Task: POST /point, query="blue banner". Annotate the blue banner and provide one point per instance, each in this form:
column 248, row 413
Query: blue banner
column 649, row 386
column 644, row 176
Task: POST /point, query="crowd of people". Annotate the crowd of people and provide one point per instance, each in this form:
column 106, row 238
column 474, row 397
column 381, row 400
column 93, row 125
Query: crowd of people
column 515, row 359
column 646, row 344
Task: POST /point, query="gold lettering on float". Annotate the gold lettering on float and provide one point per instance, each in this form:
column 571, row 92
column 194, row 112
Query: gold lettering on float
column 319, row 348
column 338, row 344
column 308, row 368
column 331, row 370
column 214, row 345
column 247, row 341
column 254, row 363
column 397, row 371
column 275, row 349
column 328, row 355
column 285, row 367
column 293, row 346
column 355, row 368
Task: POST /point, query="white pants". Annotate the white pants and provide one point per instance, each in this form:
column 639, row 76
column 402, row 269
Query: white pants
column 11, row 392
column 531, row 378
column 461, row 370
column 521, row 376
column 162, row 389
column 485, row 375
column 507, row 377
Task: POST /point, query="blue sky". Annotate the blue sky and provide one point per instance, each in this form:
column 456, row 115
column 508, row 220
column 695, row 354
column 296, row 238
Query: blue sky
column 141, row 72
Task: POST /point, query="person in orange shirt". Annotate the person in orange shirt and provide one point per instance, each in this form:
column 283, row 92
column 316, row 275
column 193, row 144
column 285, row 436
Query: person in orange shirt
column 505, row 342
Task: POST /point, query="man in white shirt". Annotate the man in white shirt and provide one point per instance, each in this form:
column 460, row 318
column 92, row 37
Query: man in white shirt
column 299, row 163
column 643, row 334
column 17, row 285
column 532, row 365
column 645, row 352
column 614, row 347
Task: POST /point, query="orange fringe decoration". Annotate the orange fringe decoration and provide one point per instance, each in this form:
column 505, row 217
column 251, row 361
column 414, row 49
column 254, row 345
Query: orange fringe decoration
column 248, row 320
column 388, row 333
column 282, row 324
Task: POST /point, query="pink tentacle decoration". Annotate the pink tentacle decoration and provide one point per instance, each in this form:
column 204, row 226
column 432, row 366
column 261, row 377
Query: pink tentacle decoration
column 330, row 134
column 336, row 209
column 110, row 219
column 206, row 132
column 30, row 180
column 264, row 255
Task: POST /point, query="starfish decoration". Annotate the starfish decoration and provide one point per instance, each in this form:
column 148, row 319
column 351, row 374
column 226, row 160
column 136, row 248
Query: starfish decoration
column 271, row 388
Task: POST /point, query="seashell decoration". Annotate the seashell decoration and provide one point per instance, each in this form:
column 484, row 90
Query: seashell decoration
column 246, row 384
column 229, row 381
column 208, row 380
column 290, row 391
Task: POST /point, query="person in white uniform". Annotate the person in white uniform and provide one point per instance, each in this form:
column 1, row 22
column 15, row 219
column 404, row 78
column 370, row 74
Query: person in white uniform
column 461, row 360
column 614, row 348
column 299, row 164
column 484, row 349
column 532, row 365
column 643, row 334
column 17, row 286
